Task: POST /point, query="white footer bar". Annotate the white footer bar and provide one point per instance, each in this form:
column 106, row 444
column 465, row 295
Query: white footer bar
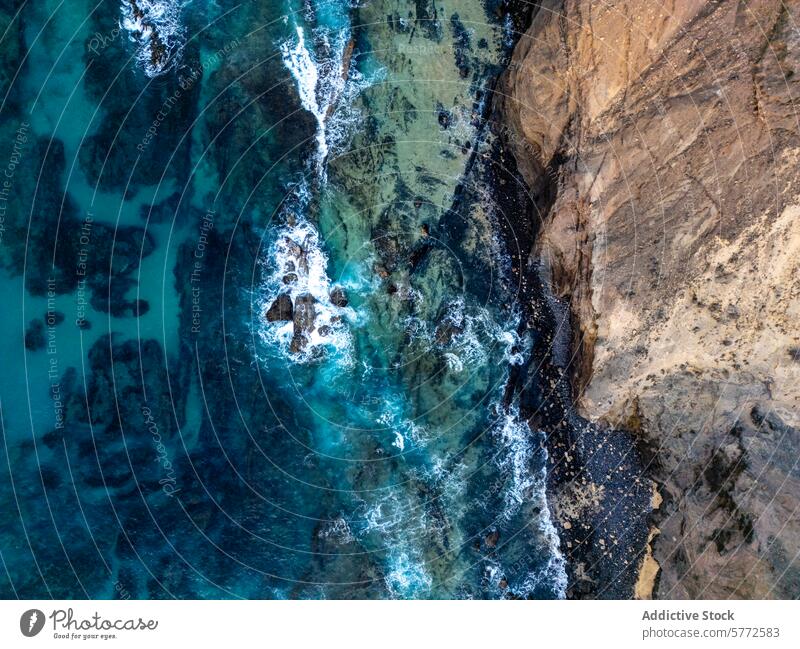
column 408, row 625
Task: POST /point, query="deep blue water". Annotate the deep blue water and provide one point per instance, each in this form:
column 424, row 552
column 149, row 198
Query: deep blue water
column 174, row 169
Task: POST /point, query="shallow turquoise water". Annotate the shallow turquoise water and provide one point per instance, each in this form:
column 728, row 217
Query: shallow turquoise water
column 168, row 192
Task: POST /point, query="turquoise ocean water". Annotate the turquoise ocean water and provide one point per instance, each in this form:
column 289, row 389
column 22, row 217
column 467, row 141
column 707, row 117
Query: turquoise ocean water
column 179, row 176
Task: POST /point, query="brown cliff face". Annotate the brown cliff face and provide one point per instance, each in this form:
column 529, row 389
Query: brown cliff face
column 671, row 136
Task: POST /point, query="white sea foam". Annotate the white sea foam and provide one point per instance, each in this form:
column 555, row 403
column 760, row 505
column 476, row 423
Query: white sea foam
column 403, row 429
column 407, row 577
column 386, row 515
column 394, row 522
column 317, row 64
column 316, row 60
column 297, row 251
column 528, row 486
column 155, row 27
column 297, row 58
column 345, row 117
column 554, row 574
column 399, row 441
column 509, row 35
column 453, row 363
column 516, row 460
column 327, row 84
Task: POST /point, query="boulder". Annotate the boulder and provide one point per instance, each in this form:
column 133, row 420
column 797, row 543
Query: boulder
column 304, row 315
column 339, row 297
column 446, row 331
column 281, row 309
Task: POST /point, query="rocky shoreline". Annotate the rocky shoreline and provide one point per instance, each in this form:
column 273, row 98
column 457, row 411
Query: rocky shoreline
column 599, row 498
column 597, row 495
column 660, row 150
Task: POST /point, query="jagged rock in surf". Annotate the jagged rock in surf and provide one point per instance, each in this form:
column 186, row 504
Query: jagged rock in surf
column 145, row 21
column 299, row 253
column 281, row 309
column 339, row 297
column 304, row 315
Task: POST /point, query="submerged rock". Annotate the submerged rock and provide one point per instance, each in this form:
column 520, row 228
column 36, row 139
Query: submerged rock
column 281, row 309
column 34, row 336
column 299, row 253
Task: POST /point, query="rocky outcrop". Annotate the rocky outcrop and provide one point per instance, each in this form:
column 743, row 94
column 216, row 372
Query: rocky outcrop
column 339, row 297
column 304, row 315
column 281, row 309
column 662, row 142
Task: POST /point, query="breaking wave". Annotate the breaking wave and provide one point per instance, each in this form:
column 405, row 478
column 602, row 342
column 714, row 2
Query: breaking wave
column 521, row 452
column 297, row 266
column 155, row 27
column 327, row 82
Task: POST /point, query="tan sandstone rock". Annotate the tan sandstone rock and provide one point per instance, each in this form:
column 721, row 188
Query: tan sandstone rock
column 670, row 136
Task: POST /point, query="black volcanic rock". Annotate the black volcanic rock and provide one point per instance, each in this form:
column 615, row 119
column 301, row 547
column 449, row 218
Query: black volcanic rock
column 304, row 315
column 281, row 309
column 339, row 297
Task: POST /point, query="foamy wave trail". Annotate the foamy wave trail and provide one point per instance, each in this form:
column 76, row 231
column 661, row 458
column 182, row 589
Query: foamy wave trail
column 527, row 486
column 319, row 55
column 392, row 525
column 155, row 27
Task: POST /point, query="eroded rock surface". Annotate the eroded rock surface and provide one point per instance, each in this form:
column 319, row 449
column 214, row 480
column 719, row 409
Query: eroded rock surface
column 304, row 315
column 281, row 309
column 661, row 141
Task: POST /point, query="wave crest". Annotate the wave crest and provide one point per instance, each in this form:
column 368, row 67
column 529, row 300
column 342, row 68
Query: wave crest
column 155, row 26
